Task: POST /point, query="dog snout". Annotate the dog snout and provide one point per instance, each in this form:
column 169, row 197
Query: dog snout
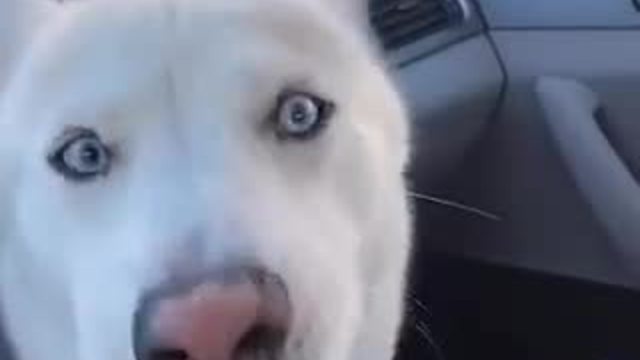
column 237, row 314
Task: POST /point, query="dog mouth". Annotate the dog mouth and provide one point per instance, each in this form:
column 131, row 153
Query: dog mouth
column 239, row 314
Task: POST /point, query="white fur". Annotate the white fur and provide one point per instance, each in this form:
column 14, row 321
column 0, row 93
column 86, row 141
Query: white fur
column 182, row 88
column 19, row 21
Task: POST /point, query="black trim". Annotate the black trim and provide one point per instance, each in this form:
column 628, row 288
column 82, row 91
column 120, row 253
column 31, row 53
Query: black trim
column 398, row 23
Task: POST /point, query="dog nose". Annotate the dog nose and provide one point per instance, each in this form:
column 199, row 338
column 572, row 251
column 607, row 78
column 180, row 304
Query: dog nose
column 231, row 315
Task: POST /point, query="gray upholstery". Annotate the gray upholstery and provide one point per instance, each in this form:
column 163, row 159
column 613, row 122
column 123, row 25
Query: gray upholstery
column 600, row 174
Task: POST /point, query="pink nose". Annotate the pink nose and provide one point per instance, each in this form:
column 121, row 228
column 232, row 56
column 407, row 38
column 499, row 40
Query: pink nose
column 224, row 318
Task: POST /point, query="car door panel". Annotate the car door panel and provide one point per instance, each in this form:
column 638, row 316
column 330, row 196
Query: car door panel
column 451, row 95
column 519, row 171
column 572, row 111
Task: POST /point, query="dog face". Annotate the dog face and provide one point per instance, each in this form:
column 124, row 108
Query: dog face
column 148, row 144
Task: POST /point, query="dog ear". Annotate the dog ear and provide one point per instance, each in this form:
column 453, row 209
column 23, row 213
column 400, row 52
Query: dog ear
column 19, row 22
column 353, row 11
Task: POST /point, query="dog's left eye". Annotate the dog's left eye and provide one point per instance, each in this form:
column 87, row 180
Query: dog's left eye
column 80, row 155
column 301, row 116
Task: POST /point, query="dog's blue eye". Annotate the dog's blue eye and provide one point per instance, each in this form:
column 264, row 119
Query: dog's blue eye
column 80, row 155
column 301, row 116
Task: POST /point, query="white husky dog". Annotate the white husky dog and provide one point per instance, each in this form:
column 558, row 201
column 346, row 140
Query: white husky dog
column 199, row 179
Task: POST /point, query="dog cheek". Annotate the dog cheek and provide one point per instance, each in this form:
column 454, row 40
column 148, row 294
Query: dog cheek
column 316, row 253
column 105, row 299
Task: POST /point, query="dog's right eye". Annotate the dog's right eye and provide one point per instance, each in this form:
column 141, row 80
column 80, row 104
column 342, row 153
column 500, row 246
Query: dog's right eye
column 301, row 116
column 80, row 155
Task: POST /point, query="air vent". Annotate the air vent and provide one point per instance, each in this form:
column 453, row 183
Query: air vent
column 401, row 22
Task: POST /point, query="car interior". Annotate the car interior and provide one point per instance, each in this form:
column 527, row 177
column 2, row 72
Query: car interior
column 525, row 175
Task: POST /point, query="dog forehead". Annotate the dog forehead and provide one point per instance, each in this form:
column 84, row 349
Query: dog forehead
column 117, row 43
column 102, row 54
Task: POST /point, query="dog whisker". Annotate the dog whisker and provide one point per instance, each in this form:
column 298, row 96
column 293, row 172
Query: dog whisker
column 427, row 336
column 457, row 206
column 420, row 305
